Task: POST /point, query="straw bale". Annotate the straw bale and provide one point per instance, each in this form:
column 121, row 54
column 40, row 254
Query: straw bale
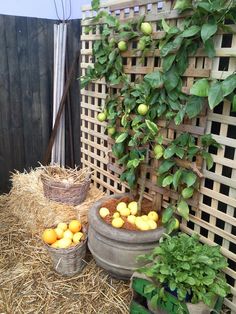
column 28, row 284
column 27, row 202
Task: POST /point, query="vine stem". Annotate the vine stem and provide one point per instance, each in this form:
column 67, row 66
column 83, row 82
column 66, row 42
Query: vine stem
column 143, row 181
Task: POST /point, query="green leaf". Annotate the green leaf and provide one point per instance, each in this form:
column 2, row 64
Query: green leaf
column 167, row 181
column 122, row 137
column 207, row 140
column 154, row 79
column 191, row 31
column 179, row 152
column 168, row 61
column 218, row 290
column 183, row 209
column 172, row 285
column 133, row 163
column 118, row 149
column 215, row 95
column 191, row 281
column 180, row 116
column 209, row 48
column 149, row 288
column 187, row 193
column 207, row 31
column 200, row 88
column 136, row 120
column 194, row 106
column 111, row 21
column 169, row 151
column 131, row 178
column 182, row 5
column 229, row 85
column 189, row 178
column 167, row 214
column 95, row 4
column 154, row 300
column 208, row 158
column 113, row 55
column 234, row 104
column 165, row 270
column 165, row 166
column 171, row 46
column 171, row 79
column 152, row 126
column 176, row 178
column 165, row 26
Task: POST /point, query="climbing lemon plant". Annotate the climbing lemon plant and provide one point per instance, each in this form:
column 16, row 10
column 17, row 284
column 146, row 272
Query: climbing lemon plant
column 132, row 115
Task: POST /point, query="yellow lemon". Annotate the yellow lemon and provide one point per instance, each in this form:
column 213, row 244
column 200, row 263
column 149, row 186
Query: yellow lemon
column 133, row 206
column 62, row 225
column 117, row 222
column 75, row 225
column 116, row 215
column 131, row 219
column 152, row 224
column 153, row 215
column 68, row 234
column 55, row 245
column 142, row 225
column 59, row 233
column 125, row 212
column 64, row 243
column 103, row 212
column 120, row 206
column 77, row 237
column 145, row 217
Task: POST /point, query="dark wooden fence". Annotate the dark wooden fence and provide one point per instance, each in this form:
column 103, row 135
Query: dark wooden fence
column 26, row 76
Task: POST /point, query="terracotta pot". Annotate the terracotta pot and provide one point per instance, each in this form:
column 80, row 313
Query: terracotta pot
column 116, row 250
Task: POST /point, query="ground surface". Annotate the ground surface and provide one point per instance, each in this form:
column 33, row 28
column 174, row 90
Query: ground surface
column 28, row 283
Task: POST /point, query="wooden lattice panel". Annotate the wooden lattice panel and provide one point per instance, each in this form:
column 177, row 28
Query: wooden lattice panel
column 213, row 211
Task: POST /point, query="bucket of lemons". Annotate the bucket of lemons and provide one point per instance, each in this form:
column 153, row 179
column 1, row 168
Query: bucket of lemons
column 128, row 213
column 66, row 244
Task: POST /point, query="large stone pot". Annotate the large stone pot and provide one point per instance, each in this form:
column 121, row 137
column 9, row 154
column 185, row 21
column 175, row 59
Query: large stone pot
column 116, row 250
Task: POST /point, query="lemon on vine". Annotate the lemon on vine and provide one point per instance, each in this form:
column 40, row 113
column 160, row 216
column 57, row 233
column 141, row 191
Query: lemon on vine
column 142, row 109
column 122, row 45
column 146, row 28
column 101, row 116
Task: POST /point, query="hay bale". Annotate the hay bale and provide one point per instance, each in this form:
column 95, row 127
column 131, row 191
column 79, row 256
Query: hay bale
column 28, row 283
column 27, row 202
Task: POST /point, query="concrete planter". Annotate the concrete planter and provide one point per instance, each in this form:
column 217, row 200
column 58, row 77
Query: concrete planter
column 116, row 250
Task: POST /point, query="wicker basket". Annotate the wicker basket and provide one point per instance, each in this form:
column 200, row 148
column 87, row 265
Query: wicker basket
column 73, row 194
column 68, row 262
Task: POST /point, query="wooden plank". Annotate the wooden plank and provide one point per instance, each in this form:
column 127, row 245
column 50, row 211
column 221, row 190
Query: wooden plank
column 16, row 117
column 217, row 213
column 5, row 113
column 219, row 196
column 219, row 178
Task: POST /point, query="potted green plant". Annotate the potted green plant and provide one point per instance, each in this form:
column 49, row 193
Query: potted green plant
column 187, row 269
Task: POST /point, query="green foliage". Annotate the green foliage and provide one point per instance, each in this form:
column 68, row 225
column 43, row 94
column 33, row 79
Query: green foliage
column 161, row 92
column 186, row 266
